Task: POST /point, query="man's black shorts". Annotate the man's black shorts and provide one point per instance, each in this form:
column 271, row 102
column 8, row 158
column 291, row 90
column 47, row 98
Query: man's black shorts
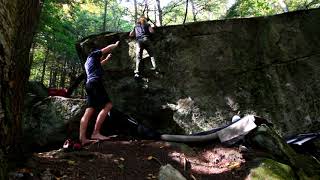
column 97, row 96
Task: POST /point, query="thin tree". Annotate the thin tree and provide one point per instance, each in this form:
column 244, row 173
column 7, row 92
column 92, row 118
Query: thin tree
column 159, row 12
column 44, row 64
column 135, row 11
column 193, row 11
column 63, row 75
column 155, row 15
column 146, row 8
column 185, row 15
column 105, row 16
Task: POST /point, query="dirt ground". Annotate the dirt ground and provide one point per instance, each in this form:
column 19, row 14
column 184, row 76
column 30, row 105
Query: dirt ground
column 136, row 159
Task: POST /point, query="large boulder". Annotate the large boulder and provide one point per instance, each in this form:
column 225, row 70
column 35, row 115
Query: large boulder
column 49, row 121
column 267, row 66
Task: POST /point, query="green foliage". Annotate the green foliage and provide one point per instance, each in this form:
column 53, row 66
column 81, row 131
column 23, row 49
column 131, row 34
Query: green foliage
column 115, row 23
column 173, row 13
column 62, row 24
column 249, row 8
column 303, row 4
column 204, row 10
column 84, row 22
column 209, row 9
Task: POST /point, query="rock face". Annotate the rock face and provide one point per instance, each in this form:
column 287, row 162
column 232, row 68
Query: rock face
column 51, row 120
column 267, row 66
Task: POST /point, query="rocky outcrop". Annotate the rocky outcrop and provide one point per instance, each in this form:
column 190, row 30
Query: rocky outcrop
column 270, row 169
column 50, row 120
column 267, row 66
column 306, row 167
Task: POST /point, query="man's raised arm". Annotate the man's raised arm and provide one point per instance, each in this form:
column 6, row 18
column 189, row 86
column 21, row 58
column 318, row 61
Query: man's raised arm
column 109, row 48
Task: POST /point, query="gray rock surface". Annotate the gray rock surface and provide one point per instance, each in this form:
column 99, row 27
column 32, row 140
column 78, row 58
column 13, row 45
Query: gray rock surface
column 267, row 66
column 51, row 120
column 168, row 172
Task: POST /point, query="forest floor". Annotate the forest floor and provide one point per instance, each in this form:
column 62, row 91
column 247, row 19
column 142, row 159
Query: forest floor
column 138, row 159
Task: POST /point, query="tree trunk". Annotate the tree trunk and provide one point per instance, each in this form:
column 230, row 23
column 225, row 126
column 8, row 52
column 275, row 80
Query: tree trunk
column 63, row 75
column 44, row 64
column 185, row 15
column 33, row 46
column 159, row 12
column 155, row 16
column 18, row 20
column 146, row 8
column 53, row 77
column 75, row 83
column 104, row 16
column 50, row 79
column 193, row 11
column 135, row 11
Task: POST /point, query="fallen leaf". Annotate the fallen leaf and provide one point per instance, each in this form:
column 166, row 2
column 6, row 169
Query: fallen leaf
column 121, row 166
column 154, row 177
column 153, row 158
column 192, row 177
column 71, row 162
column 234, row 165
column 24, row 170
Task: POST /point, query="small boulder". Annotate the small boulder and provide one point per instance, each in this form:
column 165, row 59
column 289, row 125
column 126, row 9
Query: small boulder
column 168, row 172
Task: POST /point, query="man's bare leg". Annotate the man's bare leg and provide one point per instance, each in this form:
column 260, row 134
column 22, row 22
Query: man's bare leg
column 100, row 119
column 83, row 126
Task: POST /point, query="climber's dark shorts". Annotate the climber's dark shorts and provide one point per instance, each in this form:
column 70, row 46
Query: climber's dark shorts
column 144, row 43
column 97, row 96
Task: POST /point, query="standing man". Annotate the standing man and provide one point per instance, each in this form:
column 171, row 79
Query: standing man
column 97, row 97
column 142, row 32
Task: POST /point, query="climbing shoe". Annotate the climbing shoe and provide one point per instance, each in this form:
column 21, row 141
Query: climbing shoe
column 136, row 76
column 70, row 145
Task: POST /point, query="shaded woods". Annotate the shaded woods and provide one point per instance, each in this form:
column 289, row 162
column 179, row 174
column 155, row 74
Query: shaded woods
column 50, row 56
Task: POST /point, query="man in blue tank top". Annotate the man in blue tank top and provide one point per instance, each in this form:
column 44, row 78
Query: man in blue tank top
column 142, row 32
column 97, row 97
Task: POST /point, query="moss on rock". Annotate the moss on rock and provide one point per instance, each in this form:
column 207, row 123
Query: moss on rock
column 271, row 170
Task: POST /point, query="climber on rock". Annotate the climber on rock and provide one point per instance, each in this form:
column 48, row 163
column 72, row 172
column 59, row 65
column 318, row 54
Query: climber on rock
column 142, row 32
